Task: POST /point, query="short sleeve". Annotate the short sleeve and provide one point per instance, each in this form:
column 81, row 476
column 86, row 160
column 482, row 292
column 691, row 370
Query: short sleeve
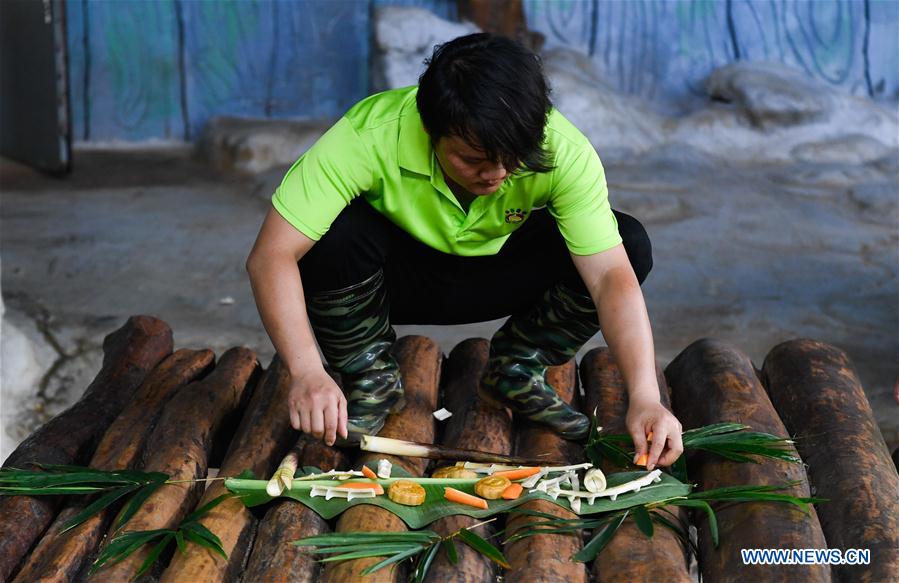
column 579, row 201
column 324, row 180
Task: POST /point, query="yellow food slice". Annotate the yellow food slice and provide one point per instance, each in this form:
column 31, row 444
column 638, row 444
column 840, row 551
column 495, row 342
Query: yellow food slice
column 406, row 492
column 491, row 487
column 453, row 472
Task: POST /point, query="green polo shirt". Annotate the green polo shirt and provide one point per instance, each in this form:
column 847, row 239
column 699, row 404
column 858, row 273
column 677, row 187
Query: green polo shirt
column 380, row 150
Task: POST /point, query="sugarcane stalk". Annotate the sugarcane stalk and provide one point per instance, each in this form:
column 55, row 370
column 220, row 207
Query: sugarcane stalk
column 402, row 447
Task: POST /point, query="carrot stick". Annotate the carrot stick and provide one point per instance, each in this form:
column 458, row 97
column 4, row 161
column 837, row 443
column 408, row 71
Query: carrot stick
column 641, row 461
column 649, row 436
column 513, row 491
column 517, row 474
column 360, row 486
column 366, row 471
column 454, row 495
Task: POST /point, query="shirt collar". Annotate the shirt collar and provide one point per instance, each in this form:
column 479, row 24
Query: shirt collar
column 415, row 151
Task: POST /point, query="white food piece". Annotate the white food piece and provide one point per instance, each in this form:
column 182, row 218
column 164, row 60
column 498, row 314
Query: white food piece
column 384, row 468
column 442, row 414
column 575, row 504
column 532, row 480
column 554, row 490
column 595, row 480
column 337, row 492
column 226, row 301
column 337, row 474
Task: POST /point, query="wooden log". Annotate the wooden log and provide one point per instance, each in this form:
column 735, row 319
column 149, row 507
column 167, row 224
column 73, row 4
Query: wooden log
column 180, row 447
column 546, row 557
column 711, row 382
column 129, row 354
column 261, row 439
column 818, row 394
column 420, row 360
column 59, row 557
column 474, row 425
column 274, row 559
column 630, row 555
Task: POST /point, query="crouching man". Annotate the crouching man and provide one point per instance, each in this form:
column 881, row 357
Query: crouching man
column 465, row 198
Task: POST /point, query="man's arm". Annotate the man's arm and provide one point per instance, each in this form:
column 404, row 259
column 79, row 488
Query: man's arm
column 316, row 404
column 625, row 325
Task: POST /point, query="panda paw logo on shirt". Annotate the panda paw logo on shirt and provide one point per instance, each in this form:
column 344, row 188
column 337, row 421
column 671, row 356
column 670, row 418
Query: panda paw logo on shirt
column 515, row 215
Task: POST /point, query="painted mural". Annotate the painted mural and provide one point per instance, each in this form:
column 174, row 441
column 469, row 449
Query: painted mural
column 143, row 70
column 663, row 49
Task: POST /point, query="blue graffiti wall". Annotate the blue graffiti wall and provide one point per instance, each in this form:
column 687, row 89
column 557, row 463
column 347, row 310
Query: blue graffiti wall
column 142, row 70
column 664, row 49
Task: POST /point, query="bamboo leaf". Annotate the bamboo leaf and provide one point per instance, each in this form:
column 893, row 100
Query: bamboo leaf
column 154, row 554
column 196, row 538
column 644, row 522
column 345, row 538
column 394, row 559
column 207, row 507
column 136, row 502
column 482, row 546
column 98, row 505
column 206, row 534
column 122, row 545
column 599, row 542
column 421, row 571
column 179, row 540
column 368, row 552
column 451, row 552
column 703, row 505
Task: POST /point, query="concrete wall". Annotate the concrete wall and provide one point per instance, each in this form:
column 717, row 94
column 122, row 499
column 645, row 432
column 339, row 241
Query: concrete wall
column 158, row 70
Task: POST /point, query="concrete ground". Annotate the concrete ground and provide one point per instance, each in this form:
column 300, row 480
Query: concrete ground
column 752, row 254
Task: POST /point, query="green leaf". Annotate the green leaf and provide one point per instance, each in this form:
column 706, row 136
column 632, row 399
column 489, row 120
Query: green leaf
column 123, row 544
column 370, row 552
column 703, row 505
column 247, row 474
column 348, row 538
column 599, row 541
column 394, row 559
column 424, row 564
column 179, row 540
column 196, row 538
column 154, row 554
column 451, row 554
column 206, row 534
column 644, row 522
column 480, row 545
column 98, row 505
column 253, row 493
column 207, row 507
column 136, row 502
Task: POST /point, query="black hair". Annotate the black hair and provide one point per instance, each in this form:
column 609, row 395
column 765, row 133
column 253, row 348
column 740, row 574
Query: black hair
column 491, row 92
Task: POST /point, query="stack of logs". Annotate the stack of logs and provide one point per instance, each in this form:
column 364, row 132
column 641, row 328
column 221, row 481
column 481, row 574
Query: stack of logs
column 180, row 412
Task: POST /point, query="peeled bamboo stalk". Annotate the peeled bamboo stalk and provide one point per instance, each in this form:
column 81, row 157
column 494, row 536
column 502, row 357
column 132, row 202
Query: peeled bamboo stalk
column 818, row 394
column 403, row 447
column 263, row 435
column 130, row 353
column 474, row 425
column 630, row 555
column 180, row 447
column 546, row 557
column 273, row 558
column 420, row 360
column 60, row 556
column 712, row 382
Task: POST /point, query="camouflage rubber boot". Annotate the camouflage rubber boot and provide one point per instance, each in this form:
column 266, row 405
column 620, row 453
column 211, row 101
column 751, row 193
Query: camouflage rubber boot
column 354, row 333
column 549, row 333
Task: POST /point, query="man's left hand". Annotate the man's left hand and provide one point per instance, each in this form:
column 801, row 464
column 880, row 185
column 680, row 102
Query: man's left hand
column 646, row 416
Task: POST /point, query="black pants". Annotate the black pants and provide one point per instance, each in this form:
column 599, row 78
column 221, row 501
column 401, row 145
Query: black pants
column 426, row 286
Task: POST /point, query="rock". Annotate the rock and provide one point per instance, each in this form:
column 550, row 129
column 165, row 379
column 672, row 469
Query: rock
column 617, row 125
column 252, row 146
column 26, row 357
column 770, row 94
column 847, row 149
column 404, row 37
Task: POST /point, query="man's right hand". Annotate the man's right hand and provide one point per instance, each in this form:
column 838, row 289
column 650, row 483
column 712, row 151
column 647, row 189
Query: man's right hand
column 317, row 406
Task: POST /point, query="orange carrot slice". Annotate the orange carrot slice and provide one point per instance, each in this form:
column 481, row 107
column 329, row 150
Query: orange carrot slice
column 642, row 460
column 512, row 492
column 649, row 436
column 454, row 495
column 517, row 474
column 361, row 486
column 366, row 471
